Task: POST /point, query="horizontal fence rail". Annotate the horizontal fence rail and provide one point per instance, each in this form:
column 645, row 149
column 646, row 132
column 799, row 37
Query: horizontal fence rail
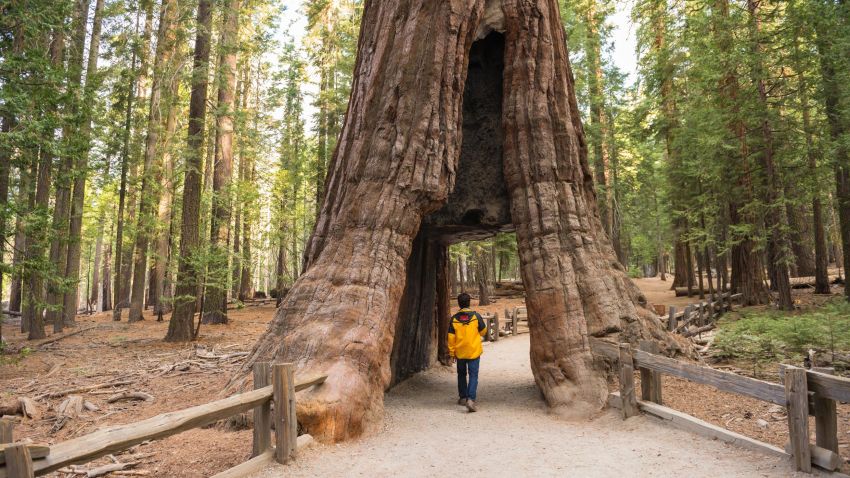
column 804, row 393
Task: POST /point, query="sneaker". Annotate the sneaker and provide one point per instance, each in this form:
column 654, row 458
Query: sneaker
column 470, row 405
column 461, row 402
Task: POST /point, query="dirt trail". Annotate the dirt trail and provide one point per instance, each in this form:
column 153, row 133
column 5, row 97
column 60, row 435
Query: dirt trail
column 425, row 434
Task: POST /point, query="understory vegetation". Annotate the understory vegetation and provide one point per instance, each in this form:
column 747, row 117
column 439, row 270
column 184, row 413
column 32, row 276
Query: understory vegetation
column 761, row 337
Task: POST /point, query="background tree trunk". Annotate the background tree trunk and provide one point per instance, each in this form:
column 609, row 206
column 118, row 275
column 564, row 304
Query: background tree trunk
column 75, row 227
column 215, row 302
column 152, row 173
column 188, row 273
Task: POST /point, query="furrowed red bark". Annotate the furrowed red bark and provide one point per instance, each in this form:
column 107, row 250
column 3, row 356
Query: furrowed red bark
column 396, row 164
column 215, row 302
column 188, row 273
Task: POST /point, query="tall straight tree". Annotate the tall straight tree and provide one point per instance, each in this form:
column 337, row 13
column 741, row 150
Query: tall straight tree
column 72, row 267
column 162, row 245
column 832, row 24
column 188, row 266
column 821, row 256
column 777, row 241
column 134, row 78
column 34, row 295
column 599, row 132
column 65, row 173
column 215, row 303
column 152, row 172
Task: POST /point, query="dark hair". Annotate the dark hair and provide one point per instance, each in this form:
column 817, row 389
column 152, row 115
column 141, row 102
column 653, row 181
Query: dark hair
column 463, row 300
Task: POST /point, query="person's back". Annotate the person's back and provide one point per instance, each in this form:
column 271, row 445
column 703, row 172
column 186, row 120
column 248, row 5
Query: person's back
column 465, row 331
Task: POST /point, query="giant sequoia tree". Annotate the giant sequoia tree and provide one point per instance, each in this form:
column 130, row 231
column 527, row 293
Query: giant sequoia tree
column 398, row 192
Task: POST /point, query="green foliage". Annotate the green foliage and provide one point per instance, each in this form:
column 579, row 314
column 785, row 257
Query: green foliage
column 769, row 336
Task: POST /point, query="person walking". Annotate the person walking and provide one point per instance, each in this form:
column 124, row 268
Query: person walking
column 466, row 329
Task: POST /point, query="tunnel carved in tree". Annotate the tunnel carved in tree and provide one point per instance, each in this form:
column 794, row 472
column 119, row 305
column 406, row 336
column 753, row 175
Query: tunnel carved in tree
column 462, row 123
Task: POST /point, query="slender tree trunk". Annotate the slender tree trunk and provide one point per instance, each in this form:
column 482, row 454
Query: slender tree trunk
column 106, row 286
column 64, row 176
column 215, row 302
column 5, row 169
column 481, row 275
column 34, row 295
column 26, row 197
column 72, row 266
column 245, row 289
column 821, row 255
column 94, row 296
column 777, row 243
column 601, row 131
column 152, row 172
column 163, row 232
column 833, row 72
column 188, row 271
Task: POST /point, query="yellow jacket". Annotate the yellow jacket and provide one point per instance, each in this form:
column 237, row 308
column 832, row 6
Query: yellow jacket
column 465, row 331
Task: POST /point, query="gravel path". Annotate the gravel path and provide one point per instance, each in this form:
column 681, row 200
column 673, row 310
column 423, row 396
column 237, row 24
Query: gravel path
column 426, row 434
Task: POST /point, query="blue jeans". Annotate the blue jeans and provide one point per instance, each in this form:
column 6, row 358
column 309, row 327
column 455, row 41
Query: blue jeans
column 464, row 389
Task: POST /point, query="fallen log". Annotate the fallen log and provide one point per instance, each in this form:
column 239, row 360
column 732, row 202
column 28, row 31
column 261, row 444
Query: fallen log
column 698, row 330
column 826, row 459
column 86, row 388
column 64, row 336
column 141, row 396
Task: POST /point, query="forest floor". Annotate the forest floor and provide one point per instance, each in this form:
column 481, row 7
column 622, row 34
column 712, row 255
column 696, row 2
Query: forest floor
column 180, row 376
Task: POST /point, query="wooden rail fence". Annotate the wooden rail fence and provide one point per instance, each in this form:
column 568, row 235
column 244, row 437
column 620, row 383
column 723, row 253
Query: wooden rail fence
column 701, row 314
column 804, row 393
column 21, row 460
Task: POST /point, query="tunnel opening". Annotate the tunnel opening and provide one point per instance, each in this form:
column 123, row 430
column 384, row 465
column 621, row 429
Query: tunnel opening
column 477, row 208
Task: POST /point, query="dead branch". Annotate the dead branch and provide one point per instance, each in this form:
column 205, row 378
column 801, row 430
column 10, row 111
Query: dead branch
column 130, row 396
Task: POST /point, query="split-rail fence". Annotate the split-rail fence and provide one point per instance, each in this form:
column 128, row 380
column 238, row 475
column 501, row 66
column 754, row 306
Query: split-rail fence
column 273, row 384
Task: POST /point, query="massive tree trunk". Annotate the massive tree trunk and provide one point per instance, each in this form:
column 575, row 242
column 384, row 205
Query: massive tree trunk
column 396, row 165
column 188, row 273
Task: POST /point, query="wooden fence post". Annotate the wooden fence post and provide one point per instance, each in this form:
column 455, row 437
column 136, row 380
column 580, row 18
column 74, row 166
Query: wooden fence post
column 797, row 400
column 671, row 320
column 650, row 380
column 19, row 462
column 627, row 381
column 826, row 419
column 495, row 327
column 687, row 315
column 286, row 426
column 262, row 413
column 7, row 431
column 514, row 323
column 710, row 307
